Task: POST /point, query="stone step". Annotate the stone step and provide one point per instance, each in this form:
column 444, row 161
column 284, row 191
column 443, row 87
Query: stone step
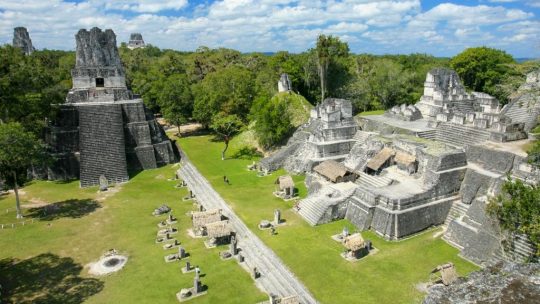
column 373, row 181
column 457, row 210
column 461, row 135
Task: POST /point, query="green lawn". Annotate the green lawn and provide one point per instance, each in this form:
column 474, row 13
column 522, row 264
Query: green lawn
column 389, row 276
column 44, row 262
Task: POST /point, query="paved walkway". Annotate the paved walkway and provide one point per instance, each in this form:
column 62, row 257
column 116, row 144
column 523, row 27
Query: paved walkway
column 275, row 277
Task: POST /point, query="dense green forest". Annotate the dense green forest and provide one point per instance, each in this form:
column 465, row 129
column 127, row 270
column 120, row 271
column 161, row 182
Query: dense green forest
column 209, row 84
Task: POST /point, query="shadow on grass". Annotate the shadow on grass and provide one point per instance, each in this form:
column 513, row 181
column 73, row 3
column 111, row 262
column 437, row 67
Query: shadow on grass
column 246, row 153
column 45, row 278
column 73, row 208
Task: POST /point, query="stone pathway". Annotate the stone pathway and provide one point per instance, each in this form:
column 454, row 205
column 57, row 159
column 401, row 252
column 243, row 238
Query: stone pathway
column 275, row 277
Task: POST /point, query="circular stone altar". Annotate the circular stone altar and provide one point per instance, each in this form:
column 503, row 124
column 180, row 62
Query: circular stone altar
column 108, row 264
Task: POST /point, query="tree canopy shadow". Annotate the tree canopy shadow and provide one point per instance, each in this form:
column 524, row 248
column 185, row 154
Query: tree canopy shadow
column 45, row 278
column 73, row 208
column 246, row 153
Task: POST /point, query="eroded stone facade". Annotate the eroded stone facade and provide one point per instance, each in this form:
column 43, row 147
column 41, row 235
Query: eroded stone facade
column 21, row 39
column 103, row 128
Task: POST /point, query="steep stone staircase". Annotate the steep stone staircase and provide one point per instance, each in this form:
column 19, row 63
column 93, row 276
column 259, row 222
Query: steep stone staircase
column 275, row 277
column 430, row 134
column 313, row 207
column 100, row 127
column 521, row 249
column 460, row 136
column 523, row 112
column 457, row 210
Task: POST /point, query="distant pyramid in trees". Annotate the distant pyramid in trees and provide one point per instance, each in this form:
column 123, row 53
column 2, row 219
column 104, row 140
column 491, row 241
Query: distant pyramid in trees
column 284, row 83
column 21, row 39
column 103, row 129
column 136, row 41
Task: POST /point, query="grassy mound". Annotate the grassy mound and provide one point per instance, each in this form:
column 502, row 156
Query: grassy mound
column 297, row 107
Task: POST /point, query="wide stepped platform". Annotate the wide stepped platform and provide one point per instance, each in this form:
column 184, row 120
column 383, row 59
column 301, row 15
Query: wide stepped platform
column 313, row 208
column 275, row 277
column 460, row 136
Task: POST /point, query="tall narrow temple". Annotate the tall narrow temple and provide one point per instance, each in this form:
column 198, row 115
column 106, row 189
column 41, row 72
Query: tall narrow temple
column 103, row 129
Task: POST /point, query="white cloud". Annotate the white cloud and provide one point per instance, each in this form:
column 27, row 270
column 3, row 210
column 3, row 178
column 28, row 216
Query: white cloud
column 271, row 25
column 144, row 6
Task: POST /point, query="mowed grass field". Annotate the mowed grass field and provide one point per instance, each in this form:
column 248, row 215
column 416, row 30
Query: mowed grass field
column 389, row 276
column 45, row 261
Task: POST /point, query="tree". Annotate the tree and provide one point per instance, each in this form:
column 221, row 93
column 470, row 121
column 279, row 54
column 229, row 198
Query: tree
column 19, row 150
column 387, row 82
column 329, row 49
column 518, row 210
column 226, row 126
column 272, row 120
column 175, row 100
column 482, row 69
column 230, row 90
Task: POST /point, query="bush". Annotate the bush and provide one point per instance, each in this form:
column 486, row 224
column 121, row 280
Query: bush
column 517, row 208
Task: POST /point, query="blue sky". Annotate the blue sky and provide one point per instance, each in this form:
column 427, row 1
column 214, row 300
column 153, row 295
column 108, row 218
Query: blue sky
column 441, row 28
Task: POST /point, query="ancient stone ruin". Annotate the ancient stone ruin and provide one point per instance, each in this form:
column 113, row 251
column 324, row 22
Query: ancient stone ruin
column 21, row 39
column 433, row 163
column 499, row 283
column 135, row 41
column 103, row 129
column 327, row 136
column 284, row 83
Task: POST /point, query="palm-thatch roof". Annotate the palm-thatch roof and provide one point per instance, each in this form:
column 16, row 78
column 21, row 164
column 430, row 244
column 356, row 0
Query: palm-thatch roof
column 331, row 169
column 378, row 160
column 205, row 217
column 404, row 158
column 354, row 242
column 218, row 229
column 285, row 181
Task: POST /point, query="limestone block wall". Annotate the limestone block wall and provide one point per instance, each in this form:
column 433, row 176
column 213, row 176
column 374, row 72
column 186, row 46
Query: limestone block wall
column 102, row 144
column 145, row 157
column 138, row 134
column 164, row 153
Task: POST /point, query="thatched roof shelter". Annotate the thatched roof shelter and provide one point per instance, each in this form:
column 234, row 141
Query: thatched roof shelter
column 382, row 157
column 332, row 170
column 354, row 242
column 205, row 217
column 285, row 181
column 218, row 229
column 404, row 158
